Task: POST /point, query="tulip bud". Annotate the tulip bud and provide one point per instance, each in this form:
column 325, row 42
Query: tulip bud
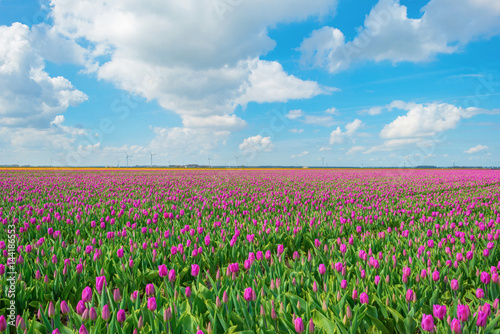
column 93, row 314
column 167, row 314
column 274, row 316
column 105, row 315
column 225, row 298
column 209, row 328
column 311, row 326
column 85, row 314
column 52, row 311
column 218, row 303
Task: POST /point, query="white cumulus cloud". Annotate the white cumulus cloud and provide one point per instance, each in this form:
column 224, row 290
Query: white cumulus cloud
column 388, row 34
column 256, row 144
column 337, row 136
column 476, row 149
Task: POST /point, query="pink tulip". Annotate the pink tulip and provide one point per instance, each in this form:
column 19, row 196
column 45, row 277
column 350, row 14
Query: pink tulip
column 363, row 298
column 121, row 316
column 195, row 269
column 152, row 304
column 171, row 275
column 105, row 315
column 299, row 325
column 87, row 294
column 248, row 294
column 100, row 283
column 463, row 312
column 455, row 326
column 162, row 270
column 485, row 277
column 322, row 269
column 150, row 289
column 439, row 311
column 427, row 322
column 409, row 295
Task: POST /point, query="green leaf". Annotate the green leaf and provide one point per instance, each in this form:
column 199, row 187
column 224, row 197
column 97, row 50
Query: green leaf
column 378, row 324
column 492, row 325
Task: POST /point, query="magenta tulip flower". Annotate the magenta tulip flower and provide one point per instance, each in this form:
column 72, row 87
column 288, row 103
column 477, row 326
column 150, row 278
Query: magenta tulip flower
column 455, row 326
column 409, row 295
column 121, row 316
column 463, row 312
column 248, row 294
column 485, row 277
column 3, row 323
column 439, row 311
column 100, row 283
column 427, row 322
column 162, row 270
column 150, row 289
column 171, row 275
column 152, row 304
column 482, row 319
column 87, row 294
column 363, row 298
column 322, row 269
column 83, row 330
column 64, row 307
column 195, row 269
column 299, row 325
column 106, row 314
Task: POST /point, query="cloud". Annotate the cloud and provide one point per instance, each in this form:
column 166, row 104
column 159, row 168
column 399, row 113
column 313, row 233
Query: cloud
column 296, row 130
column 324, row 149
column 338, row 137
column 207, row 62
column 215, row 122
column 294, row 114
column 424, row 120
column 332, row 111
column 304, row 153
column 256, row 144
column 29, row 97
column 319, row 120
column 373, row 111
column 476, row 149
column 355, row 150
column 32, row 102
column 268, row 82
column 352, row 127
column 388, row 34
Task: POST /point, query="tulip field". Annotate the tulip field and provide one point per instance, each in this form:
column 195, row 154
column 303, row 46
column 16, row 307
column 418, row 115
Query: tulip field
column 249, row 251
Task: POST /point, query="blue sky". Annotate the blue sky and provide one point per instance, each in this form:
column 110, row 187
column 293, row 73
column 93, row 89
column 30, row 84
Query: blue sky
column 282, row 82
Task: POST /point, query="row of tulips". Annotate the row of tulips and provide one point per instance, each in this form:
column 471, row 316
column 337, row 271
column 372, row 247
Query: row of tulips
column 251, row 252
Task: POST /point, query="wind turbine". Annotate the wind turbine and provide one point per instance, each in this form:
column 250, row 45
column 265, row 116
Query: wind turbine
column 209, row 159
column 323, row 161
column 151, row 154
column 118, row 163
column 128, row 156
column 236, row 160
